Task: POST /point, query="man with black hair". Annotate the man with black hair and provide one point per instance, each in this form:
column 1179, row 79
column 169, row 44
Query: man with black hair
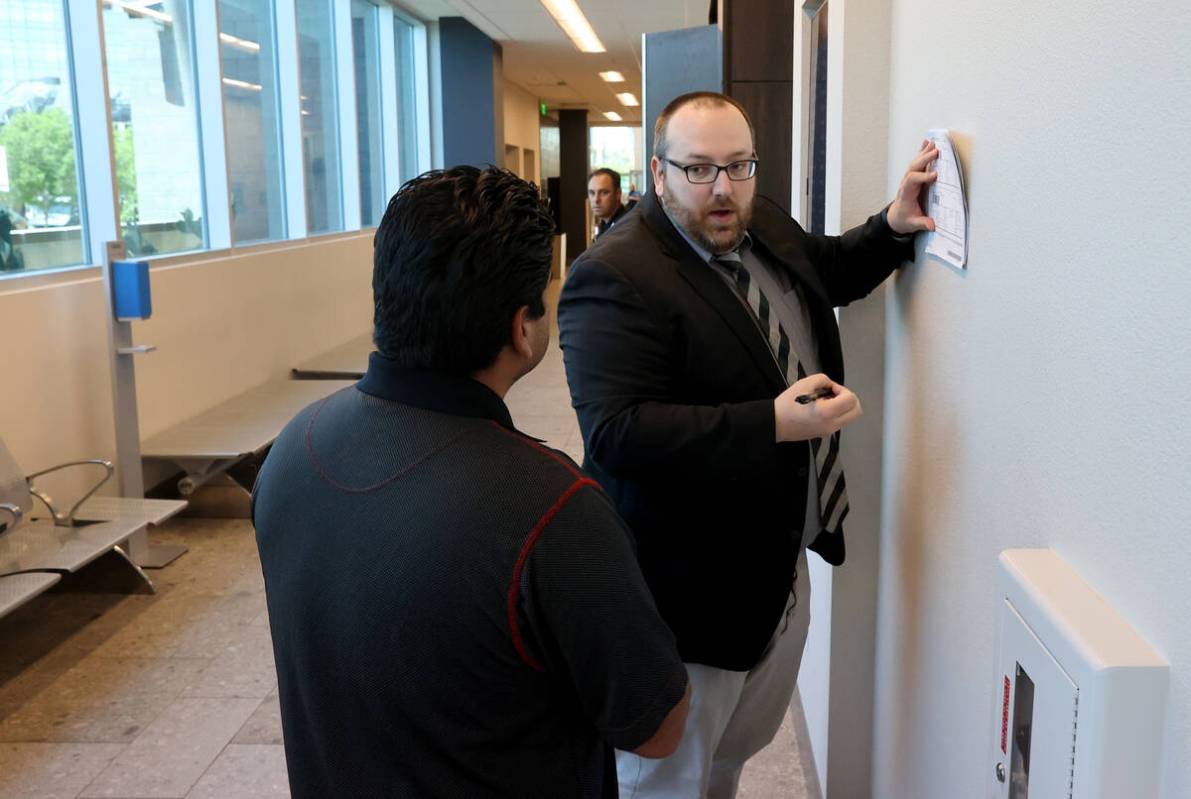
column 603, row 194
column 456, row 610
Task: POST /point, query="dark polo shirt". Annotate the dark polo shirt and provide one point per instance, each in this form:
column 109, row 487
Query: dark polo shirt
column 456, row 609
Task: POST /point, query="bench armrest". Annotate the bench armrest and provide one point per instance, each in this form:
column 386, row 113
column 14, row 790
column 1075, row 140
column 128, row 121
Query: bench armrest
column 67, row 519
column 14, row 512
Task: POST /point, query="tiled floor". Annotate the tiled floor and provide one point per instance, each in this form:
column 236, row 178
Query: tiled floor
column 174, row 695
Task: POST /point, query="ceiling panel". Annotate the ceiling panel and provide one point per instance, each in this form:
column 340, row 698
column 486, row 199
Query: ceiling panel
column 541, row 59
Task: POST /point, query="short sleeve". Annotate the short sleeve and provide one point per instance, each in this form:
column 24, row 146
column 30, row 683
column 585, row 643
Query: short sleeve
column 592, row 617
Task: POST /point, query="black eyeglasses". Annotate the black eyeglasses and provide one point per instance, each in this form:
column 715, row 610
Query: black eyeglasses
column 710, row 173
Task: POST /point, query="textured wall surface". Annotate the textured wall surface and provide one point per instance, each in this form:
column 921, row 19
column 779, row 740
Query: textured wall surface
column 1039, row 399
column 221, row 323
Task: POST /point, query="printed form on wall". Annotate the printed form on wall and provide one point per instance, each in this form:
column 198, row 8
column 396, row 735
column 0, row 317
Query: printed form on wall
column 947, row 204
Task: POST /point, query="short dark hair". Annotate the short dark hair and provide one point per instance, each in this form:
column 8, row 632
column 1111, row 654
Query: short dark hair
column 661, row 145
column 457, row 253
column 612, row 173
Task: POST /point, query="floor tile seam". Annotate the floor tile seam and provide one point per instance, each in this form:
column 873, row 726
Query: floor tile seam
column 167, row 696
column 104, row 767
column 239, row 695
column 170, row 656
column 188, row 788
column 248, row 720
column 211, row 765
column 115, row 753
column 166, row 702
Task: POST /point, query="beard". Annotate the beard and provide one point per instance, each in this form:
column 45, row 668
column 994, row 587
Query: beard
column 702, row 228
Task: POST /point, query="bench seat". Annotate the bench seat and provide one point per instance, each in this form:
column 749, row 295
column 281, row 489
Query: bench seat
column 41, row 545
column 137, row 511
column 17, row 589
column 218, row 439
column 348, row 361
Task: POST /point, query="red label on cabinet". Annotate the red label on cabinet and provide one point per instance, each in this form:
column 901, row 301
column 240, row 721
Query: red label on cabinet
column 1005, row 719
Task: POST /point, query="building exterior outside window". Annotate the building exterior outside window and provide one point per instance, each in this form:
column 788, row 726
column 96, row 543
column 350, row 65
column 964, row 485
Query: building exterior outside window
column 252, row 126
column 155, row 132
column 40, row 197
column 320, row 116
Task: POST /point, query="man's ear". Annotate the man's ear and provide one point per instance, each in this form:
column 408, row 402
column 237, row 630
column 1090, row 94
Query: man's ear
column 520, row 339
column 659, row 174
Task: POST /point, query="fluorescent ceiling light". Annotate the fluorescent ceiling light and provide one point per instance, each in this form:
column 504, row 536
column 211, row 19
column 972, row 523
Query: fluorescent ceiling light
column 242, row 84
column 612, row 77
column 612, row 115
column 241, row 44
column 627, row 99
column 570, row 18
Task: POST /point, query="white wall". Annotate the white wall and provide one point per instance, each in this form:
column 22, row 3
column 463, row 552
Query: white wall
column 1039, row 399
column 522, row 121
column 222, row 324
column 836, row 679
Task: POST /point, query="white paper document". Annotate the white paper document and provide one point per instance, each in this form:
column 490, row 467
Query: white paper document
column 947, row 204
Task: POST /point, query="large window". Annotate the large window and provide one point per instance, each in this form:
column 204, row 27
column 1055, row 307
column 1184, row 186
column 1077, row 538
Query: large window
column 252, row 121
column 40, row 198
column 154, row 106
column 232, row 122
column 404, row 34
column 617, row 148
column 320, row 118
column 366, row 47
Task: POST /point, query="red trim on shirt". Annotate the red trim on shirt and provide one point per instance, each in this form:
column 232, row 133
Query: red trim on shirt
column 523, row 556
column 529, row 442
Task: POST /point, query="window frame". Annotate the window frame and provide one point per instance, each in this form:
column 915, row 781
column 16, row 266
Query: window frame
column 94, row 154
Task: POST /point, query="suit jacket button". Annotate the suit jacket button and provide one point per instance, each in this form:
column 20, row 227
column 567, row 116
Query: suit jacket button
column 802, row 471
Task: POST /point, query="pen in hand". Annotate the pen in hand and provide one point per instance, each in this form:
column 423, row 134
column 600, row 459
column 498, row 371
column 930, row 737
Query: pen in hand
column 823, row 393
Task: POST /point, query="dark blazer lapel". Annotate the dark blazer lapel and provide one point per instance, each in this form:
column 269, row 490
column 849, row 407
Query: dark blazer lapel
column 766, row 229
column 712, row 288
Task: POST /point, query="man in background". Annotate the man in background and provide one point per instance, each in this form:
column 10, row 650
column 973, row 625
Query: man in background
column 603, row 194
column 634, row 197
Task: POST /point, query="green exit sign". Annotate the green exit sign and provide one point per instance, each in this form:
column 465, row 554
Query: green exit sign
column 542, row 108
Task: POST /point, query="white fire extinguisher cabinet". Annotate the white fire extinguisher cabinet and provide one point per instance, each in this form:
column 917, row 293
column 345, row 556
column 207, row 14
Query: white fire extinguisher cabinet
column 1080, row 696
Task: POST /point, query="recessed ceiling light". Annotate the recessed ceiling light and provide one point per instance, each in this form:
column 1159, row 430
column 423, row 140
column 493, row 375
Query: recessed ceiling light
column 570, row 18
column 613, row 116
column 612, row 77
column 627, row 99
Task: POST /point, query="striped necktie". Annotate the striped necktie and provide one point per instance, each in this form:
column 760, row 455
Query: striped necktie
column 829, row 468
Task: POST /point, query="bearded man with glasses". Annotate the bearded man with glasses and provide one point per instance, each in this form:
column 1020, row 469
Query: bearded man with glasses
column 704, row 363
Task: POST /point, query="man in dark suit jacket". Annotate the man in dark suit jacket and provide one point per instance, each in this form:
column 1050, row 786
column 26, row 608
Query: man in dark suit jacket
column 603, row 194
column 689, row 333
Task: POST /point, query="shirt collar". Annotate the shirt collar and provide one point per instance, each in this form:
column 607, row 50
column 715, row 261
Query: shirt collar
column 703, row 254
column 433, row 391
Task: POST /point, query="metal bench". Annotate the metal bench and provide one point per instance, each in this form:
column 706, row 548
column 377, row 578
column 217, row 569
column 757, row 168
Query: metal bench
column 36, row 551
column 230, row 437
column 348, row 361
column 17, row 589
